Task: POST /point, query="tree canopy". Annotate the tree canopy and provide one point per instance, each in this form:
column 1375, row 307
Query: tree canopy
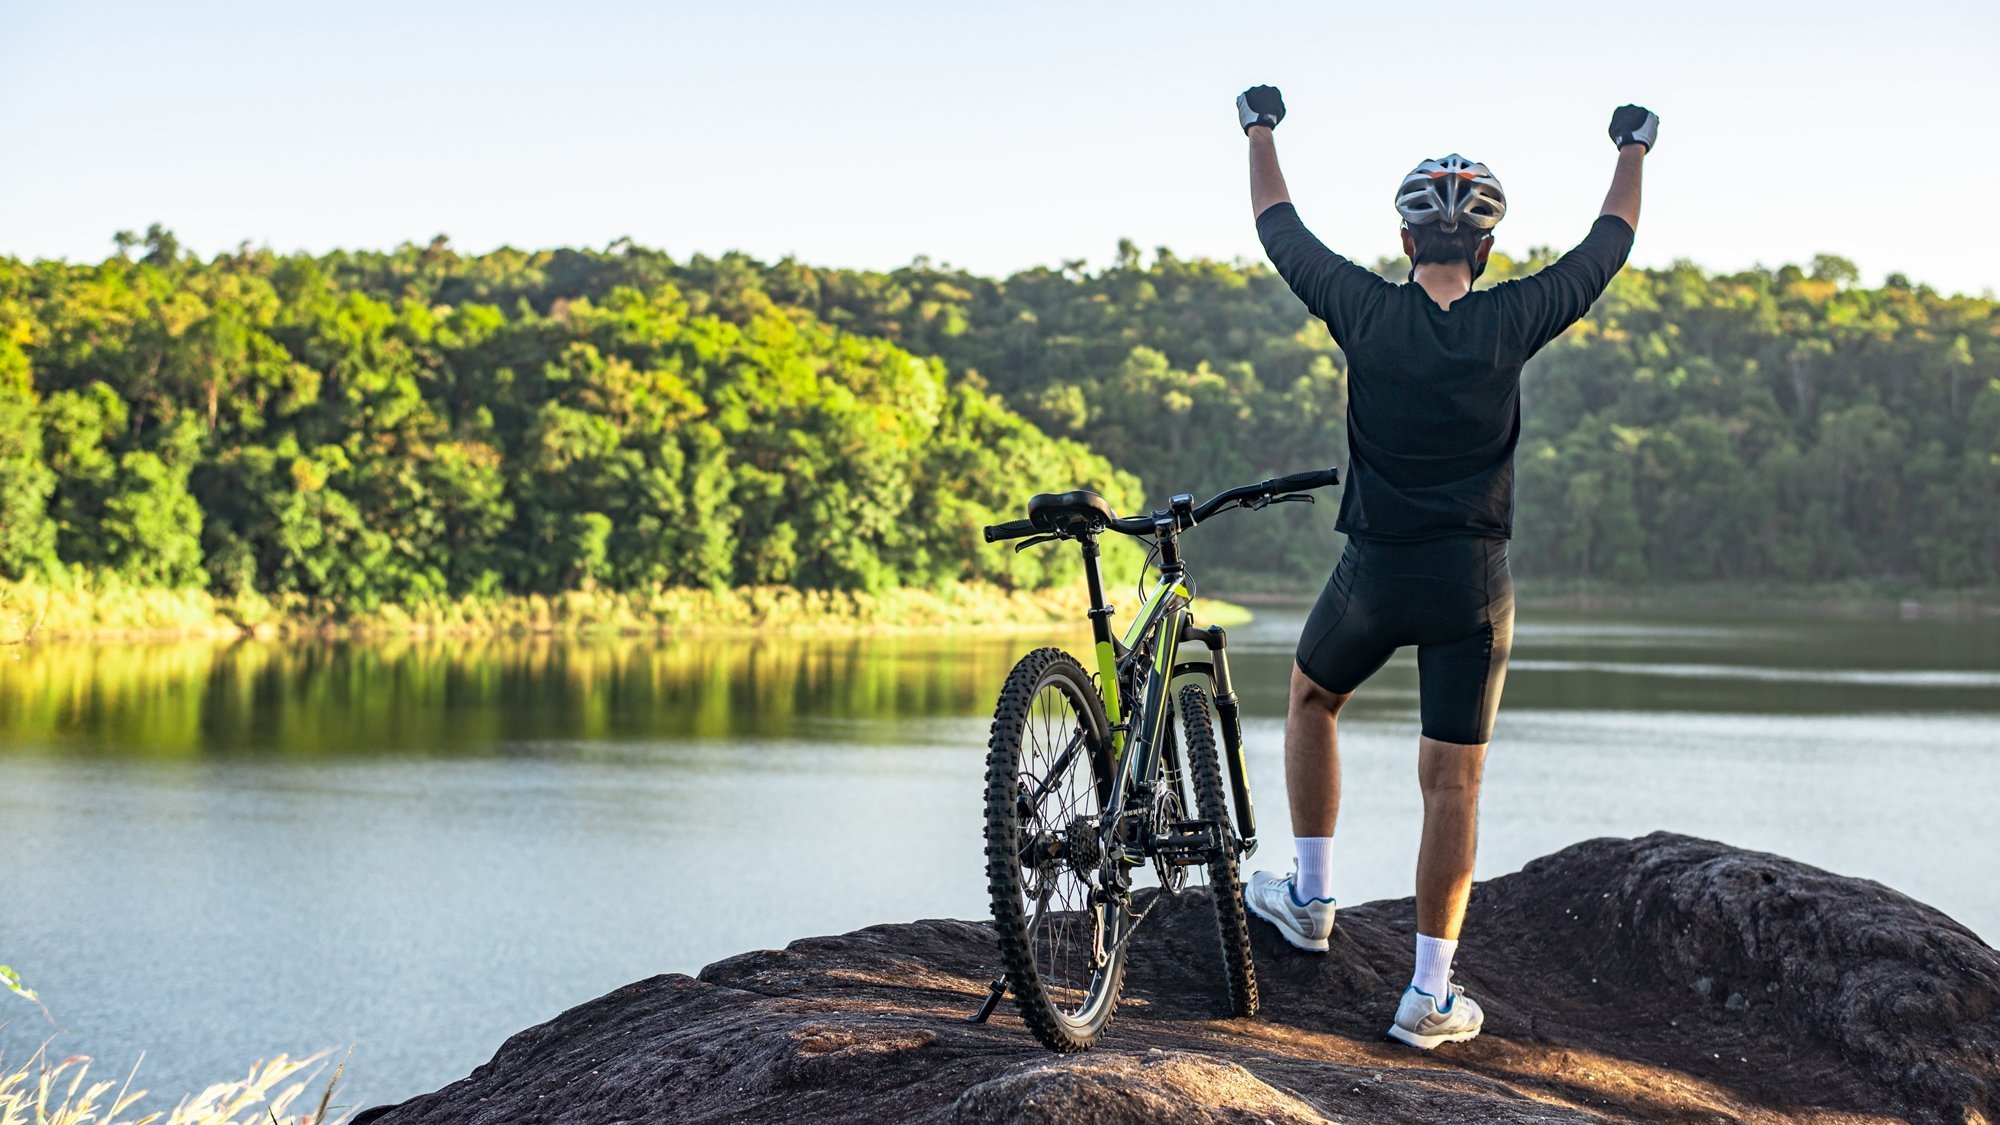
column 1774, row 425
column 336, row 431
column 358, row 429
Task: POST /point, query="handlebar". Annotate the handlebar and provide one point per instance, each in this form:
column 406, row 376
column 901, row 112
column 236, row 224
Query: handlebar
column 1302, row 482
column 1012, row 529
column 1186, row 516
column 1261, row 493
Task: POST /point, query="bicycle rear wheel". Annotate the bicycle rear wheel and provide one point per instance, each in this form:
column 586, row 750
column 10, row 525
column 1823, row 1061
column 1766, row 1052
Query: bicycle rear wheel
column 1047, row 777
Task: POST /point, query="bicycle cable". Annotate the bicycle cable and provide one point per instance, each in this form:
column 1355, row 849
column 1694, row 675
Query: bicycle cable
column 1146, row 564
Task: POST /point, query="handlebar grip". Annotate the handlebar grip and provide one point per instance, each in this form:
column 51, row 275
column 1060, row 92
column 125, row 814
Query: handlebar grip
column 1012, row 529
column 1300, row 482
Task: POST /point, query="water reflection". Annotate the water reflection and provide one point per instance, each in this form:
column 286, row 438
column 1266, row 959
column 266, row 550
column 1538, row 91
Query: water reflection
column 487, row 697
column 445, row 698
column 214, row 852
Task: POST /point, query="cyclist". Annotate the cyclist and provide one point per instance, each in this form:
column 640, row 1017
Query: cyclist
column 1433, row 415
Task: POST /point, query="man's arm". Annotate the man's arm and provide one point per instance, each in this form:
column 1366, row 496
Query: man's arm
column 1623, row 198
column 1334, row 289
column 1633, row 130
column 1258, row 110
column 1267, row 180
column 1557, row 297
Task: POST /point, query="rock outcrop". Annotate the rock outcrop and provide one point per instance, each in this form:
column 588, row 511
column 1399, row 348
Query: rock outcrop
column 1659, row 979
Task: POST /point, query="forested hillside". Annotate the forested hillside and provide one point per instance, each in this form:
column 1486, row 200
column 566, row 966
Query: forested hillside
column 319, row 430
column 1774, row 425
column 369, row 427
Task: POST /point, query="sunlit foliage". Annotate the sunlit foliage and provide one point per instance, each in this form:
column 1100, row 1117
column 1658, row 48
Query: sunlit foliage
column 360, row 430
column 354, row 431
column 1768, row 425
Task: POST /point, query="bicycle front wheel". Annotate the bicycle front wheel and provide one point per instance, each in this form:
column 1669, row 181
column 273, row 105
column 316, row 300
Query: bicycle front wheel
column 1047, row 778
column 1212, row 799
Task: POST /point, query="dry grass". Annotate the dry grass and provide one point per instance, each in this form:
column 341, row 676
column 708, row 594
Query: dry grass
column 63, row 1093
column 18, row 625
column 102, row 607
column 11, row 981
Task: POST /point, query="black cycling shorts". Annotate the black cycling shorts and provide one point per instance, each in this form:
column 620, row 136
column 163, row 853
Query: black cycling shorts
column 1453, row 598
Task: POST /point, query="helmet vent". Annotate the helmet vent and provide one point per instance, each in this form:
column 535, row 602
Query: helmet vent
column 1451, row 190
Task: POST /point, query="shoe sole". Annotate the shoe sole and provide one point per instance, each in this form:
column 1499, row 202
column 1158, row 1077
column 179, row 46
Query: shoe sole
column 1425, row 1042
column 1285, row 931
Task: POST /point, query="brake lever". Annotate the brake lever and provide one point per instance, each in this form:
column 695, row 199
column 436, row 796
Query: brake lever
column 1034, row 542
column 1264, row 501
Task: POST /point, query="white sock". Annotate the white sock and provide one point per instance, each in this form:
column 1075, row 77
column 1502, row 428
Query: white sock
column 1315, row 878
column 1433, row 967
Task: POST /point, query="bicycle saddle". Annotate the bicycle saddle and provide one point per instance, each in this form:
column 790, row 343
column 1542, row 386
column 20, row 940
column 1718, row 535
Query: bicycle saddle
column 1069, row 511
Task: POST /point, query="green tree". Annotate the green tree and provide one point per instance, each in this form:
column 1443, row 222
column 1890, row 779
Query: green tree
column 27, row 534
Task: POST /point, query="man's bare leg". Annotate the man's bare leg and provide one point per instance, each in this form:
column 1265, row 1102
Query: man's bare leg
column 1312, row 756
column 1301, row 905
column 1449, row 773
column 1433, row 1010
column 1312, row 781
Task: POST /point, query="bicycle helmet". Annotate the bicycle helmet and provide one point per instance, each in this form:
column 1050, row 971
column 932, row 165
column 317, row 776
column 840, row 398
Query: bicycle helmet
column 1448, row 191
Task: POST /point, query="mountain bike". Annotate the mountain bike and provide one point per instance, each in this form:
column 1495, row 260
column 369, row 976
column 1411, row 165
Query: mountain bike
column 1087, row 783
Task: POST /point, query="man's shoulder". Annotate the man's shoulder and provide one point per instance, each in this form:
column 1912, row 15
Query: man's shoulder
column 1502, row 290
column 1510, row 296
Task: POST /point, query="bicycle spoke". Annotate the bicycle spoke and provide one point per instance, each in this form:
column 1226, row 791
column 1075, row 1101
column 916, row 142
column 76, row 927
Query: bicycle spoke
column 1043, row 786
column 1063, row 927
column 1059, row 939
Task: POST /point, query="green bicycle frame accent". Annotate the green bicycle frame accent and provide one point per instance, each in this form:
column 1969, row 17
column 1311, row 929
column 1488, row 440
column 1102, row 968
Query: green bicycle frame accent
column 1160, row 593
column 1107, row 654
column 1107, row 689
column 1157, row 708
column 1165, row 615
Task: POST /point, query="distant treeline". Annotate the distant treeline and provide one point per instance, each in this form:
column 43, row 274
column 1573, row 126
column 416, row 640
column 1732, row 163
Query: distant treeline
column 1782, row 424
column 363, row 429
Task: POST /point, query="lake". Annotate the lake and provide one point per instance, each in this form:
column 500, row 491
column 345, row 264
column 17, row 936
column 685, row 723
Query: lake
column 216, row 854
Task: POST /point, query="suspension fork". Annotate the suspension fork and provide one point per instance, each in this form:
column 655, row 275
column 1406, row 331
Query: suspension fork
column 1228, row 709
column 1155, row 711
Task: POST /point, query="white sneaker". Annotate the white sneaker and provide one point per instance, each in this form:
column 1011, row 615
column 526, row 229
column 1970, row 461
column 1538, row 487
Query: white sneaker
column 1421, row 1023
column 1270, row 897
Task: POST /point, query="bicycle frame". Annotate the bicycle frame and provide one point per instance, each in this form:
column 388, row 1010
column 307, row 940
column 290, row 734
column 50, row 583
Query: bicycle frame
column 1136, row 746
column 1135, row 819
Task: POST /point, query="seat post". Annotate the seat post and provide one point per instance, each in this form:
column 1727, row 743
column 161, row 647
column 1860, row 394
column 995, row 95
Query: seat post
column 1100, row 611
column 1107, row 661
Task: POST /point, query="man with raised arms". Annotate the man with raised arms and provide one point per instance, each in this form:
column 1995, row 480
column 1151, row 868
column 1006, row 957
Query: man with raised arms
column 1433, row 415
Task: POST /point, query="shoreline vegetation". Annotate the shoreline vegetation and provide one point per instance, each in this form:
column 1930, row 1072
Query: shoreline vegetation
column 106, row 609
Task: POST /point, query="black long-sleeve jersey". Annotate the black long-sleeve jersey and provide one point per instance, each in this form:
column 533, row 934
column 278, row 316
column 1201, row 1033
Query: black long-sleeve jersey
column 1434, row 395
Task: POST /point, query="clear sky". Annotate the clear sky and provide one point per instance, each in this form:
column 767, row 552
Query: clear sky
column 993, row 136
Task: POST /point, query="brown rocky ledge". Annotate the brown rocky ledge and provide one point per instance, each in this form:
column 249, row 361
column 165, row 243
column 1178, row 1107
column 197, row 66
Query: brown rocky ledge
column 1659, row 979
